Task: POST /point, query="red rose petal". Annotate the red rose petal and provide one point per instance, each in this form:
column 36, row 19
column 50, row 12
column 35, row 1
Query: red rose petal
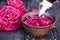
column 15, row 3
column 28, row 21
column 1, row 7
column 34, row 23
column 23, row 10
column 34, row 10
column 34, row 17
column 27, row 17
column 45, row 21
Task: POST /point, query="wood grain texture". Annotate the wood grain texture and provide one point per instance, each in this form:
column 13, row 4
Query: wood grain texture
column 20, row 34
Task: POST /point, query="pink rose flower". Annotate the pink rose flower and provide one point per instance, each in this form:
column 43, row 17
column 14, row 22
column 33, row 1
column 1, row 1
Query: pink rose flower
column 10, row 18
column 18, row 4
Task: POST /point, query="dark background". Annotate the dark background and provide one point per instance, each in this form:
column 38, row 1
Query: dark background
column 20, row 33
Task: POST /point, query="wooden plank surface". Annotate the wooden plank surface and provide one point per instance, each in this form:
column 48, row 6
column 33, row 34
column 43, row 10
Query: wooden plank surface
column 20, row 34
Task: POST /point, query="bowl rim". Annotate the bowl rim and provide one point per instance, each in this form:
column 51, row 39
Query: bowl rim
column 41, row 26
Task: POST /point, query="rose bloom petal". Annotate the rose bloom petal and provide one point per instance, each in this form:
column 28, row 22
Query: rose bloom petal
column 1, row 7
column 35, row 10
column 15, row 3
column 23, row 10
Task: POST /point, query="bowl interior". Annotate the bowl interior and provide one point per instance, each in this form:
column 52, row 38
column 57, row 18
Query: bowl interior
column 36, row 13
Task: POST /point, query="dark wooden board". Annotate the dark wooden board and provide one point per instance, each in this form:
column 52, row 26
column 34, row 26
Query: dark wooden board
column 20, row 34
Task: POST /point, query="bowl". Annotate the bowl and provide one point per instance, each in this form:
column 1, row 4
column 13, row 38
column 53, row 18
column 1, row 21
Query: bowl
column 38, row 31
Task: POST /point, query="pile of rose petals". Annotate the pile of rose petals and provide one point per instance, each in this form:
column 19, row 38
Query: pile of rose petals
column 36, row 21
column 10, row 16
